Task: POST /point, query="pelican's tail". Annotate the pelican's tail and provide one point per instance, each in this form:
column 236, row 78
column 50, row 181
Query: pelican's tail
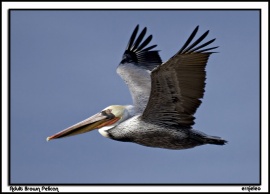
column 207, row 139
column 215, row 140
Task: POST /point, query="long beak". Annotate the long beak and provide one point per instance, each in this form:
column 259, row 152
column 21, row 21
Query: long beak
column 96, row 121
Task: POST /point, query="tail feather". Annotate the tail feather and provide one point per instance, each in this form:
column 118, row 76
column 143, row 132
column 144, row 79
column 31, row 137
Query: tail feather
column 215, row 140
column 207, row 139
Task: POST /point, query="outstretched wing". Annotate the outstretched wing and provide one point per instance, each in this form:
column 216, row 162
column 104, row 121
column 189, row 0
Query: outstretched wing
column 178, row 84
column 137, row 62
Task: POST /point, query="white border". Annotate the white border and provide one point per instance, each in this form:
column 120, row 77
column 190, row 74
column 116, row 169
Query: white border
column 264, row 96
column 134, row 5
column 139, row 5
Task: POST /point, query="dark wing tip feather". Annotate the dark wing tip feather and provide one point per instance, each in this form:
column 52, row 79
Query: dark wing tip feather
column 189, row 39
column 137, row 53
column 146, row 42
column 208, row 49
column 139, row 39
column 201, row 46
column 132, row 38
column 195, row 46
column 149, row 48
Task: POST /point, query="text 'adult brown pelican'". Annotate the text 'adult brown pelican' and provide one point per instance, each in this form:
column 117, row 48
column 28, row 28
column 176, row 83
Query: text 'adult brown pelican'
column 165, row 96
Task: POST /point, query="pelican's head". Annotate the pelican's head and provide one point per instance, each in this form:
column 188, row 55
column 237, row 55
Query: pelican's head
column 104, row 120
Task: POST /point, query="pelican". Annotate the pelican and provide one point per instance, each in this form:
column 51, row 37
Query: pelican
column 165, row 97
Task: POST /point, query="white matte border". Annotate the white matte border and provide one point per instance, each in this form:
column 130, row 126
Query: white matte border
column 263, row 6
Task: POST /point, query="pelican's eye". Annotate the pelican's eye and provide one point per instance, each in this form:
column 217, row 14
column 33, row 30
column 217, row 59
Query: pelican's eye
column 108, row 113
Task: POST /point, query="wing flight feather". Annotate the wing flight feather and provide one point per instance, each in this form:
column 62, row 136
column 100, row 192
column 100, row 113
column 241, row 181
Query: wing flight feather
column 178, row 85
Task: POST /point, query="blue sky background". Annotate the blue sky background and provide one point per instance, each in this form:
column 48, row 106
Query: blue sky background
column 62, row 70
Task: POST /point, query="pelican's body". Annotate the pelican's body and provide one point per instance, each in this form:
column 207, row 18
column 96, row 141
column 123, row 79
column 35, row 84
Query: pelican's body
column 136, row 130
column 165, row 96
column 144, row 133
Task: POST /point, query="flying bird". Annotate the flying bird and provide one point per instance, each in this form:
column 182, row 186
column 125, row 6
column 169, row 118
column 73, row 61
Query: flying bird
column 165, row 97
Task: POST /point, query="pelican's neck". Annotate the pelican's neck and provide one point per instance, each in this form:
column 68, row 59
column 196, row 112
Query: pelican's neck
column 130, row 110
